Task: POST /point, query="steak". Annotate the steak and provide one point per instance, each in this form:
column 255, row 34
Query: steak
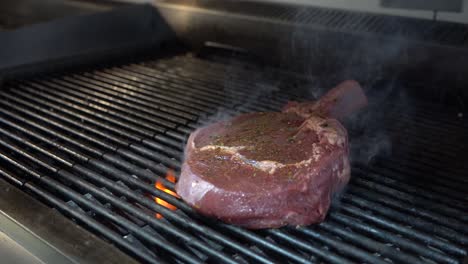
column 270, row 169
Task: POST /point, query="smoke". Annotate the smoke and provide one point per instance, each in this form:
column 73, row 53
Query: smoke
column 327, row 59
column 243, row 88
column 369, row 130
column 375, row 61
column 339, row 52
column 255, row 85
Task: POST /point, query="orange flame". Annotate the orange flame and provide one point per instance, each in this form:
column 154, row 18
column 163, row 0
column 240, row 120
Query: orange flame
column 170, row 176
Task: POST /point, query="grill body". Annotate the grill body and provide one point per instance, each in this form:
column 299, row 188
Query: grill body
column 93, row 142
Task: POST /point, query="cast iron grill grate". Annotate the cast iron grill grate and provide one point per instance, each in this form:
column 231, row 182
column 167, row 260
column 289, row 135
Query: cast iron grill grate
column 92, row 144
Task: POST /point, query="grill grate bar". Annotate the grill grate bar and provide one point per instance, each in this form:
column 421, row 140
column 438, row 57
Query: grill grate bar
column 66, row 127
column 166, row 212
column 218, row 64
column 388, row 237
column 450, row 226
column 84, row 171
column 307, row 246
column 168, row 120
column 397, row 227
column 171, row 199
column 218, row 72
column 202, row 104
column 396, row 203
column 79, row 116
column 155, row 76
column 84, row 113
column 138, row 91
column 76, row 129
column 93, row 224
column 179, row 204
column 451, row 212
column 203, row 100
column 134, row 86
column 65, row 175
column 129, row 122
column 407, row 219
column 87, row 203
column 442, row 195
column 414, row 193
column 236, row 230
column 434, row 128
column 220, row 76
column 42, row 138
column 345, row 248
column 367, row 243
column 215, row 98
column 169, row 247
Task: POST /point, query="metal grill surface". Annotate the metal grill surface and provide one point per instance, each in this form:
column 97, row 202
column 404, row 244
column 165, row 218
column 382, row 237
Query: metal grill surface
column 349, row 21
column 92, row 144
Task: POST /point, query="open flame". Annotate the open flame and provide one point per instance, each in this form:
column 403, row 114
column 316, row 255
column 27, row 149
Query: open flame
column 170, row 176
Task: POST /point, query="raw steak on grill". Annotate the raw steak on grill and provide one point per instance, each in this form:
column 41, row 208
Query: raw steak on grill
column 270, row 169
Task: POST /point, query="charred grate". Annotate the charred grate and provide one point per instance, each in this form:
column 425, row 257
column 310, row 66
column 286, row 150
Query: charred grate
column 92, row 144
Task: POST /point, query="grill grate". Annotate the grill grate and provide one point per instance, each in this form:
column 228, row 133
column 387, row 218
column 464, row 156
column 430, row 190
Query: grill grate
column 92, row 144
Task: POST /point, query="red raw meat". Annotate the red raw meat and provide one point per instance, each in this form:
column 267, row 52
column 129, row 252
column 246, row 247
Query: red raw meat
column 270, row 169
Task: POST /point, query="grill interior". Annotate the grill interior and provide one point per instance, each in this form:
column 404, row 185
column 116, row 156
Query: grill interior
column 93, row 143
column 348, row 21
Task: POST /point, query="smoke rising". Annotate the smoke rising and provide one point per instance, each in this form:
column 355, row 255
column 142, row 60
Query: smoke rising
column 328, row 59
column 242, row 91
column 368, row 132
column 375, row 61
